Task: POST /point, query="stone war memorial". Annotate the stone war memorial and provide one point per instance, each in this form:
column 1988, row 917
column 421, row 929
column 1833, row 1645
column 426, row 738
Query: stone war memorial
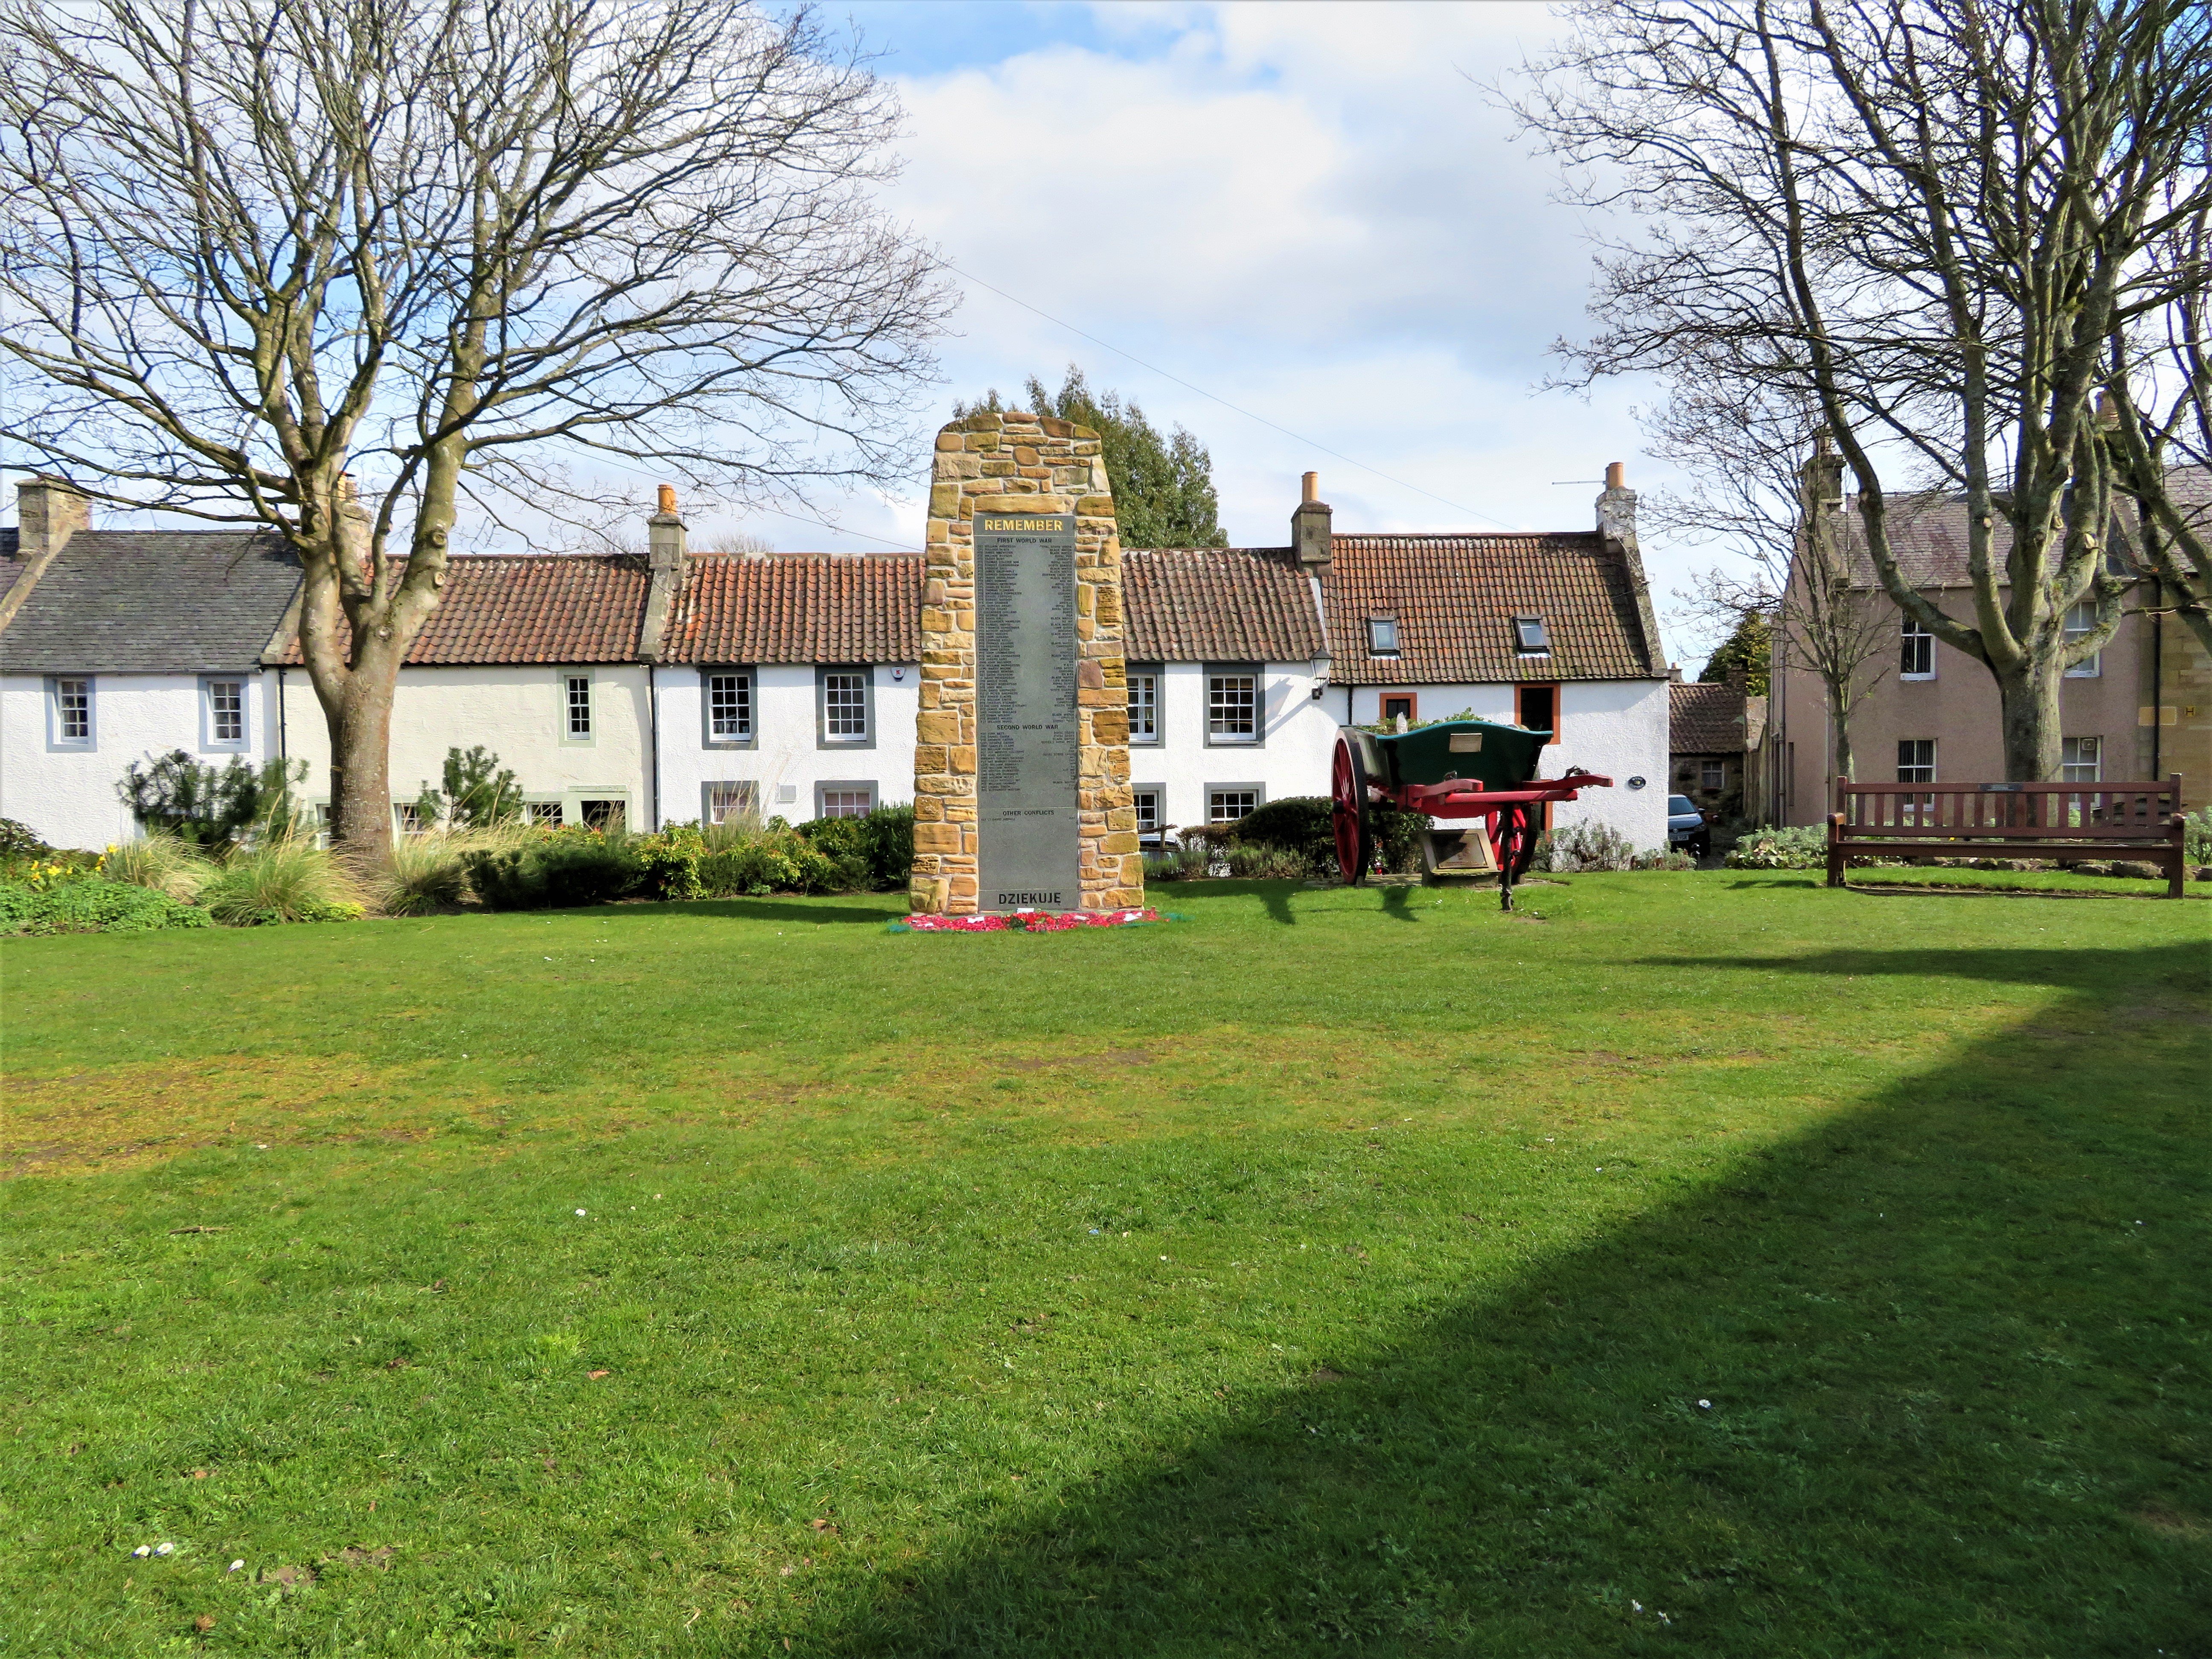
column 1021, row 767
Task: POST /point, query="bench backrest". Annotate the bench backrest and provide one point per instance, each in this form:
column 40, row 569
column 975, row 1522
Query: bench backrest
column 2008, row 812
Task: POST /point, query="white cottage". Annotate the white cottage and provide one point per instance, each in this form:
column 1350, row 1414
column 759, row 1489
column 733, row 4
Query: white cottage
column 119, row 645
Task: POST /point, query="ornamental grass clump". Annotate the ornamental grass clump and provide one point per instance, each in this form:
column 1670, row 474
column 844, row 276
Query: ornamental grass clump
column 423, row 875
column 163, row 860
column 286, row 879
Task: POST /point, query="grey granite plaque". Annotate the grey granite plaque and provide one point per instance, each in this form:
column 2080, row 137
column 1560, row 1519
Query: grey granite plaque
column 1028, row 737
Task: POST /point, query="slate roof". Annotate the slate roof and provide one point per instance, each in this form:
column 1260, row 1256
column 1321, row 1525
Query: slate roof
column 532, row 608
column 1706, row 719
column 1454, row 599
column 798, row 607
column 1928, row 533
column 1219, row 605
column 152, row 602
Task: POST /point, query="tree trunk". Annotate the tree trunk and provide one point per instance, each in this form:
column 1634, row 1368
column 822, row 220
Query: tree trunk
column 361, row 765
column 2028, row 697
column 1839, row 722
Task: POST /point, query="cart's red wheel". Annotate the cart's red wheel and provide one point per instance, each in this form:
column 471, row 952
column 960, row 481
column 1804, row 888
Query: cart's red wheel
column 1347, row 793
column 1528, row 834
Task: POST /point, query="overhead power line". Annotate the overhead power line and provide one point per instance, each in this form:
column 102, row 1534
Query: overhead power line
column 1058, row 322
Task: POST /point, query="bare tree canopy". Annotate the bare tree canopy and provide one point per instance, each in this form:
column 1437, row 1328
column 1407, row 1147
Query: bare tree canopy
column 1925, row 226
column 499, row 251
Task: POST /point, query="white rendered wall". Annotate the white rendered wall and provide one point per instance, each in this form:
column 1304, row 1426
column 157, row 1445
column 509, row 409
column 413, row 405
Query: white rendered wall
column 1300, row 736
column 519, row 712
column 786, row 760
column 68, row 795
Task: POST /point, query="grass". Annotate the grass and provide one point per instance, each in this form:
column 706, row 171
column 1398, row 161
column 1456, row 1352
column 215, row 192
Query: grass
column 1334, row 1271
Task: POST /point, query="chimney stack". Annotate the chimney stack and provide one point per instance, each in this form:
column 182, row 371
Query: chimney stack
column 665, row 534
column 1822, row 476
column 1616, row 508
column 1310, row 533
column 48, row 512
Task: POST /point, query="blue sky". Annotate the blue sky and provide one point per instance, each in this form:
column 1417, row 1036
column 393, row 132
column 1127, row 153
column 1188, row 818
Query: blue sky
column 1311, row 211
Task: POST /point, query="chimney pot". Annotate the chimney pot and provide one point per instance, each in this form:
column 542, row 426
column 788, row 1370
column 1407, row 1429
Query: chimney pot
column 665, row 536
column 48, row 512
column 1311, row 491
column 1616, row 474
column 668, row 499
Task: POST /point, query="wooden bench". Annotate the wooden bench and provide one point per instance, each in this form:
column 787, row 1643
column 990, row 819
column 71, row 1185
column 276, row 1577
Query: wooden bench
column 2057, row 821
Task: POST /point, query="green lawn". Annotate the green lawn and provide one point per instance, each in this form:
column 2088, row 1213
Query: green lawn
column 1329, row 1271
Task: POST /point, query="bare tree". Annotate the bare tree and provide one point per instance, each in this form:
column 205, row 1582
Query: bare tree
column 1767, row 483
column 507, row 253
column 1925, row 222
column 735, row 541
column 2161, row 422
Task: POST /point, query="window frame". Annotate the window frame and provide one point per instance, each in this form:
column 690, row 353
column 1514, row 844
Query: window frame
column 618, row 799
column 1712, row 773
column 1158, row 792
column 866, row 674
column 1916, row 764
column 2067, row 768
column 1154, row 676
column 1376, row 648
column 567, row 682
column 748, row 789
column 1257, row 673
column 1522, row 623
column 54, row 741
column 1257, row 791
column 2091, row 667
column 1520, row 689
column 1411, row 699
column 846, row 786
column 1916, row 634
column 750, row 681
column 533, row 808
column 209, row 743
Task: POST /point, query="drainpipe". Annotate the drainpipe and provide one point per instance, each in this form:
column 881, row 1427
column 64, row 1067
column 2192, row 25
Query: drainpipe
column 653, row 728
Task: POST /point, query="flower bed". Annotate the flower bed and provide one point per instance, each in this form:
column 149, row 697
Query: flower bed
column 1024, row 921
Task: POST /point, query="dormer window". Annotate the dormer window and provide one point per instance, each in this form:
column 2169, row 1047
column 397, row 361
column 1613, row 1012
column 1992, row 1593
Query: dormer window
column 1382, row 637
column 1529, row 637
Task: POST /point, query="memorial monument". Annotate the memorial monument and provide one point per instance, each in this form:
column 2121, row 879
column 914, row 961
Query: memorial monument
column 1021, row 761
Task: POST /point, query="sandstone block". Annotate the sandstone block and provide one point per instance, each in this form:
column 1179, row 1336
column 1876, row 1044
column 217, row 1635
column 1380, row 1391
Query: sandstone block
column 930, row 757
column 936, row 838
column 962, row 759
column 949, row 441
column 1024, row 455
column 1120, row 841
column 1095, row 506
column 941, row 727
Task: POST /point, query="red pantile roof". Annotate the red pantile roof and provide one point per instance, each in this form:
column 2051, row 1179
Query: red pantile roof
column 1706, row 719
column 1454, row 599
column 1219, row 605
column 532, row 608
column 798, row 607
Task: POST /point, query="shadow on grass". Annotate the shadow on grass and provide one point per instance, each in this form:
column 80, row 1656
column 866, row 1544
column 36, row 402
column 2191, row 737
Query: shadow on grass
column 2172, row 966
column 870, row 909
column 1952, row 1346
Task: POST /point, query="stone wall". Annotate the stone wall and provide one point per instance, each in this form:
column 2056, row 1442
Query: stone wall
column 1019, row 463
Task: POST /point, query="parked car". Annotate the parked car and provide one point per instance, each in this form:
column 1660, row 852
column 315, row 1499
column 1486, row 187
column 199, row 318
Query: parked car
column 1687, row 827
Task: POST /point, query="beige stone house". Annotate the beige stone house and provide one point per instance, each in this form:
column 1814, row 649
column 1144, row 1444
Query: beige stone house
column 1928, row 714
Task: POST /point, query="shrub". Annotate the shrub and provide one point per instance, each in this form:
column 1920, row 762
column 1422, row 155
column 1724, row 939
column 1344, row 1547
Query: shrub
column 1305, row 824
column 873, row 853
column 1397, row 838
column 210, row 808
column 1800, row 846
column 1184, row 863
column 89, row 905
column 479, row 795
column 668, row 861
column 1270, row 863
column 285, row 879
column 19, row 840
column 2196, row 836
column 570, row 866
column 777, row 859
column 1668, row 858
column 1588, row 845
column 160, row 859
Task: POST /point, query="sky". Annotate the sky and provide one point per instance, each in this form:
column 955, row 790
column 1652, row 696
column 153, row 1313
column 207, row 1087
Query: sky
column 1313, row 213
